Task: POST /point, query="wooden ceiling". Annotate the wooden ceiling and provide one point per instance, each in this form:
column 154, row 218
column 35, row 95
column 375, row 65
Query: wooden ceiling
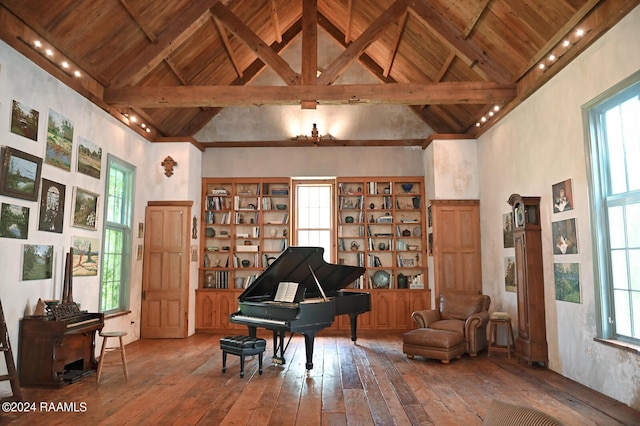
column 176, row 64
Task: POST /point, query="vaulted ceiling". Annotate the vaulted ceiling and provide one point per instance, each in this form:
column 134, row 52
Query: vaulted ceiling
column 459, row 64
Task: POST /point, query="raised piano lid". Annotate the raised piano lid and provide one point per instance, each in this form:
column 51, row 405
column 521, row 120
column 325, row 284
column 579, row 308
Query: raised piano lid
column 293, row 265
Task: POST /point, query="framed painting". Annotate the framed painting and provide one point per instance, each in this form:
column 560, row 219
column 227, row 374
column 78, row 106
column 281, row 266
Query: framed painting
column 59, row 141
column 507, row 230
column 20, row 174
column 89, row 158
column 567, row 281
column 14, row 221
column 510, row 274
column 86, row 253
column 562, row 196
column 24, row 121
column 37, row 262
column 565, row 236
column 52, row 196
column 85, row 209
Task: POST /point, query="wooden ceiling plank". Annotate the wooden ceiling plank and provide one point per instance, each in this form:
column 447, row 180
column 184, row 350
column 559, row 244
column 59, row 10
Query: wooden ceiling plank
column 392, row 93
column 559, row 36
column 196, row 15
column 396, row 43
column 452, row 37
column 445, row 67
column 276, row 21
column 176, row 71
column 255, row 43
column 355, row 49
column 347, row 31
column 227, row 45
column 309, row 49
column 298, row 143
column 482, row 7
column 139, row 21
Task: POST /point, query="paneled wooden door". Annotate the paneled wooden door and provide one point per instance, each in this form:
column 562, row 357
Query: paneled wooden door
column 165, row 282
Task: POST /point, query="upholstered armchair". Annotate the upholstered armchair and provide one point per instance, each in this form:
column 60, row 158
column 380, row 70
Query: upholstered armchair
column 463, row 313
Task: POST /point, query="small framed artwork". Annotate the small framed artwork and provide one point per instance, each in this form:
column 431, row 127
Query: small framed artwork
column 564, row 237
column 567, row 281
column 429, row 219
column 510, row 274
column 14, row 221
column 51, row 206
column 194, row 253
column 24, row 121
column 140, row 229
column 59, row 141
column 89, row 158
column 408, row 263
column 139, row 252
column 20, row 174
column 37, row 262
column 85, row 209
column 562, row 196
column 86, row 254
column 507, row 230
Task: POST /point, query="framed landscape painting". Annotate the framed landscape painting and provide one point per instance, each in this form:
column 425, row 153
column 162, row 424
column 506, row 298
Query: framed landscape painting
column 567, row 281
column 85, row 209
column 51, row 206
column 86, row 253
column 59, row 141
column 14, row 221
column 24, row 121
column 89, row 158
column 37, row 262
column 20, row 174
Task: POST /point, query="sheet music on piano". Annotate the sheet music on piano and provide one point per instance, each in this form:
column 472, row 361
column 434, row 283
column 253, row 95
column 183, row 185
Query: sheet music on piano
column 286, row 292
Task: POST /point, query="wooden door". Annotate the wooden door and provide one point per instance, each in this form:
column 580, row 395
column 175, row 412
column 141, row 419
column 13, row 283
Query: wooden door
column 456, row 246
column 165, row 283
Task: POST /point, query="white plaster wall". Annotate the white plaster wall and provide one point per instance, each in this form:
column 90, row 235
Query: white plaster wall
column 539, row 144
column 23, row 81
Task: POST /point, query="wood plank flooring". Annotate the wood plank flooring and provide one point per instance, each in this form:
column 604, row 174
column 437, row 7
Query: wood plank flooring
column 179, row 382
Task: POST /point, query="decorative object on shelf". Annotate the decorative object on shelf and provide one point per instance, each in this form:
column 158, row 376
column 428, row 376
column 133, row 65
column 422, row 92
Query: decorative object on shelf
column 168, row 164
column 348, row 219
column 209, row 280
column 206, row 261
column 382, row 246
column 315, row 134
column 372, row 220
column 416, row 202
column 247, row 242
column 209, row 232
column 417, row 231
column 246, row 263
column 402, row 280
column 406, row 187
column 354, row 246
column 273, row 232
column 380, row 279
column 281, row 206
column 406, row 233
column 412, row 247
column 239, row 281
column 372, row 206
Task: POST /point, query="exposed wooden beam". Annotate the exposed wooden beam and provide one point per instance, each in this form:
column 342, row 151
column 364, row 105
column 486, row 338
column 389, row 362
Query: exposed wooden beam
column 398, row 93
column 396, row 43
column 480, row 9
column 445, row 136
column 276, row 21
column 347, row 31
column 309, row 41
column 255, row 43
column 298, row 143
column 355, row 49
column 138, row 19
column 196, row 15
column 227, row 45
column 442, row 28
column 445, row 67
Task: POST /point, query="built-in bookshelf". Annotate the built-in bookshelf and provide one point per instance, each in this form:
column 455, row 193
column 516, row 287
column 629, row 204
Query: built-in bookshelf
column 381, row 226
column 245, row 225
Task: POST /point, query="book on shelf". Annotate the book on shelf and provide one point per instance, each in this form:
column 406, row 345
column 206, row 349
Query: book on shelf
column 247, row 248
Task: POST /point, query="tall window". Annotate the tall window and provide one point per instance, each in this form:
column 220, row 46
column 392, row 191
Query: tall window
column 313, row 218
column 614, row 151
column 116, row 250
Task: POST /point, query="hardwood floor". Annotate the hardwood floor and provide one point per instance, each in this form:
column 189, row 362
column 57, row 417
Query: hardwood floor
column 179, row 382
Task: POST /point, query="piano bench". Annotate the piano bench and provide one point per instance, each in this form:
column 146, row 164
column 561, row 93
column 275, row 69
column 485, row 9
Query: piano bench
column 242, row 346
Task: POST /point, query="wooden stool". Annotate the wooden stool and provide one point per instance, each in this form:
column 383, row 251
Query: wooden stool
column 105, row 336
column 242, row 346
column 494, row 323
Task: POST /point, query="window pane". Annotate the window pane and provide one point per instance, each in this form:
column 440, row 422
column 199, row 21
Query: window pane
column 619, row 269
column 616, row 227
column 617, row 164
column 623, row 316
column 633, row 224
column 634, row 270
column 635, row 298
column 630, row 111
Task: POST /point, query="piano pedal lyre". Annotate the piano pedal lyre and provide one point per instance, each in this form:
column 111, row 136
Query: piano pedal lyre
column 277, row 360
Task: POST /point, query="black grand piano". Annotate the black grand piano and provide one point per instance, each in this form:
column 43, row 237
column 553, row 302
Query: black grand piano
column 318, row 300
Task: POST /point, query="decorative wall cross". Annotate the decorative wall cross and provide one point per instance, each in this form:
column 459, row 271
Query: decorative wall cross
column 168, row 164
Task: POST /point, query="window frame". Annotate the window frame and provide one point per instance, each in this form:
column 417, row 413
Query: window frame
column 126, row 228
column 599, row 185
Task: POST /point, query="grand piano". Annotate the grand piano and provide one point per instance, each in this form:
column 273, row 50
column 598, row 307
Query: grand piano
column 319, row 298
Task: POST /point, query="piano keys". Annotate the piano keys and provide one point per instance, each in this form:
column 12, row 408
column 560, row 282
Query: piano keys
column 320, row 299
column 56, row 352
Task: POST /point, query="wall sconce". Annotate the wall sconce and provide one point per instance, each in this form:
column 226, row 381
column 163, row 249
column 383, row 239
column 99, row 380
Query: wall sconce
column 168, row 164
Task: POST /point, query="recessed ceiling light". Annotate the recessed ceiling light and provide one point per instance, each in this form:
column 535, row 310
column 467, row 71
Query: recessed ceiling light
column 77, row 73
column 37, row 43
column 552, row 57
column 133, row 119
column 542, row 66
column 579, row 32
column 49, row 52
column 65, row 64
column 566, row 43
column 496, row 108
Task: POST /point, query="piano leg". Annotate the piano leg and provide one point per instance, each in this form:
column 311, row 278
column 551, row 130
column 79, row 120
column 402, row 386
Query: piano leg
column 309, row 337
column 353, row 320
column 278, row 345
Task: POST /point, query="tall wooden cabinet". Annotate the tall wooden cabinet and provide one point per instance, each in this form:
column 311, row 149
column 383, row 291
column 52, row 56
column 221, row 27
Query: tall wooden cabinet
column 456, row 246
column 531, row 343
